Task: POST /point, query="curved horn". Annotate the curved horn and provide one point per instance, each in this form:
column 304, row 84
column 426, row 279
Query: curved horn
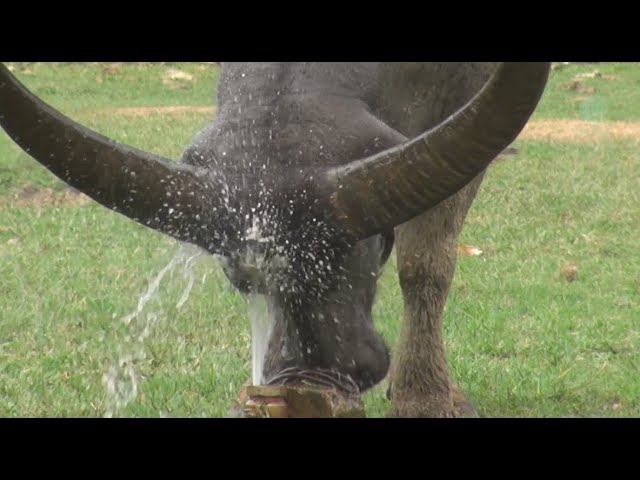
column 377, row 193
column 149, row 189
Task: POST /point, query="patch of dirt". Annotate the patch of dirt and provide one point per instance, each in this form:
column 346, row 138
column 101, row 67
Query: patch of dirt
column 469, row 251
column 579, row 98
column 111, row 68
column 580, row 131
column 577, row 86
column 31, row 196
column 595, row 74
column 569, row 272
column 177, row 79
column 168, row 110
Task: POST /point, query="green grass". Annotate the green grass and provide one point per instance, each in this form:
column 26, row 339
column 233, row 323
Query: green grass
column 80, row 86
column 521, row 339
column 616, row 95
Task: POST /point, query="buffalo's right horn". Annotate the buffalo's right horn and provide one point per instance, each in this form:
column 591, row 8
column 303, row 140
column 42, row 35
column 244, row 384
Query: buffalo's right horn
column 374, row 194
column 156, row 192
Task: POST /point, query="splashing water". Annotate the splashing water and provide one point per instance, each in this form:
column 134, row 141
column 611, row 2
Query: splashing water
column 262, row 322
column 122, row 379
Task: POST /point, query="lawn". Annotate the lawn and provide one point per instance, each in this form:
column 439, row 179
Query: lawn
column 545, row 323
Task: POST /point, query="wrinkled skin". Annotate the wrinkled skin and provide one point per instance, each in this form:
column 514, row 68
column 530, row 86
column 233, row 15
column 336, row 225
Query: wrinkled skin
column 296, row 121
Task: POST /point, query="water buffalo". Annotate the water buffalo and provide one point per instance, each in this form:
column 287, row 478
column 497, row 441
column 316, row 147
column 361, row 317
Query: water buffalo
column 301, row 184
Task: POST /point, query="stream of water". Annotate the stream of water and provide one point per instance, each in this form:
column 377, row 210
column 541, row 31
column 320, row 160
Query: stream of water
column 122, row 379
column 261, row 325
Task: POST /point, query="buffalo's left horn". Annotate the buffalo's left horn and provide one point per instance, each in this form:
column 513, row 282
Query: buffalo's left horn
column 374, row 194
column 156, row 192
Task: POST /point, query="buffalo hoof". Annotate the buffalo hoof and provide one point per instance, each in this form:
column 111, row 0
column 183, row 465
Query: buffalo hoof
column 433, row 407
column 423, row 408
column 461, row 406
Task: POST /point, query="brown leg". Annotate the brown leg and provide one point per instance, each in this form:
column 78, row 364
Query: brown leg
column 426, row 252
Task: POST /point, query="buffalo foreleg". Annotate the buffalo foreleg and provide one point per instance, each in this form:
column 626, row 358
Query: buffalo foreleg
column 426, row 251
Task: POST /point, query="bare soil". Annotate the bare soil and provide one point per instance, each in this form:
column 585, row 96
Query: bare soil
column 32, row 196
column 168, row 110
column 580, row 131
